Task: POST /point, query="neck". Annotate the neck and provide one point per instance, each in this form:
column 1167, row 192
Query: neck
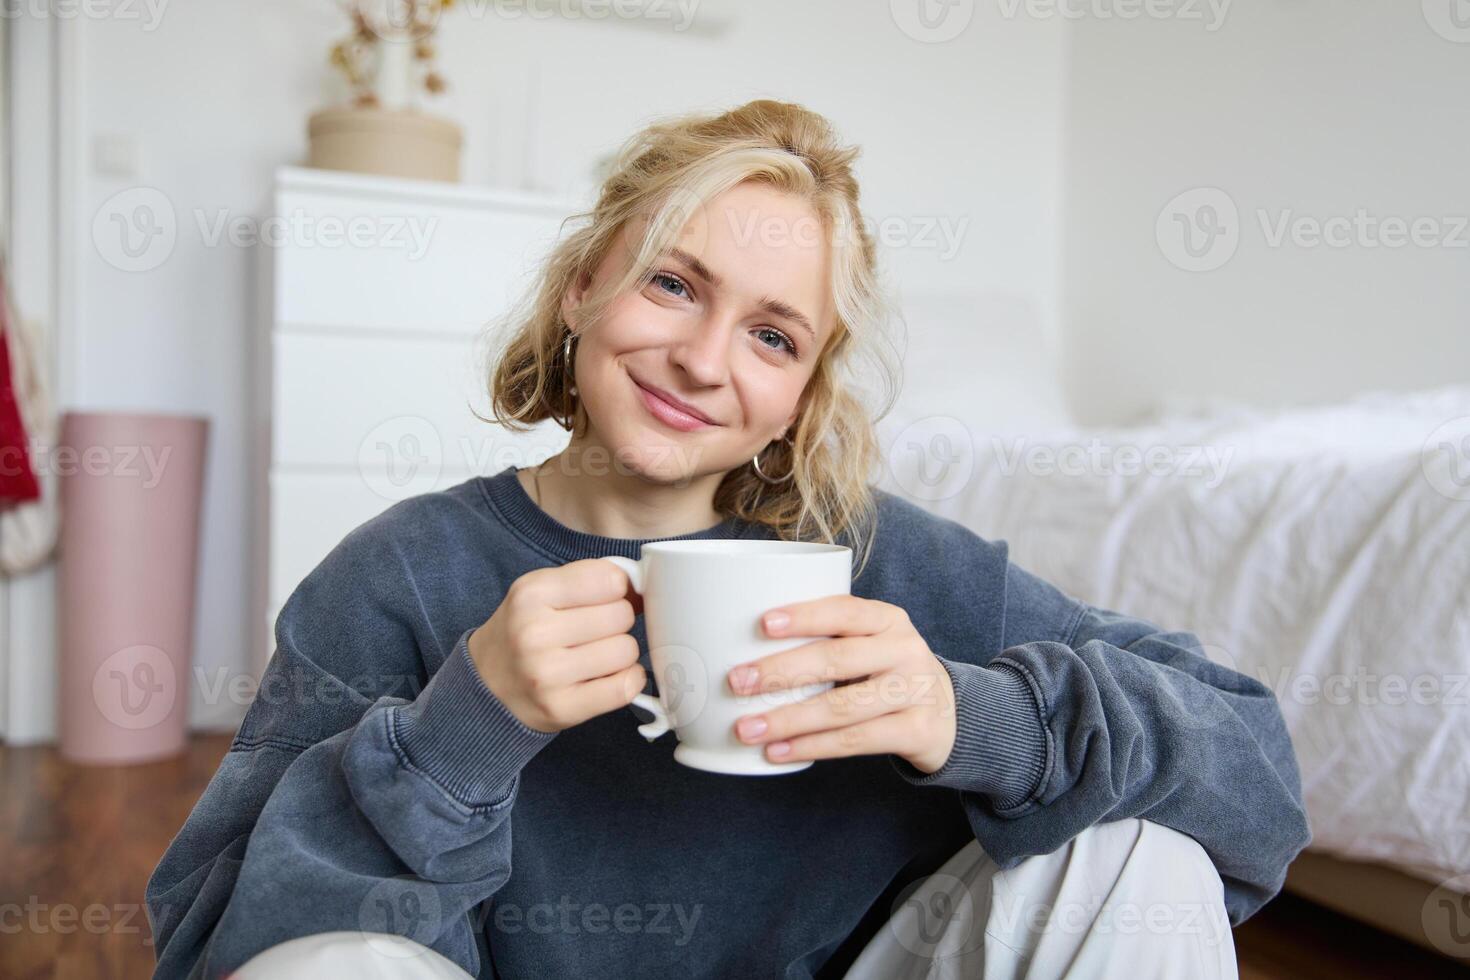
column 591, row 494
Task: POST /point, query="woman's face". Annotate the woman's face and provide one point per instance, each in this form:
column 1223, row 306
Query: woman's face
column 729, row 322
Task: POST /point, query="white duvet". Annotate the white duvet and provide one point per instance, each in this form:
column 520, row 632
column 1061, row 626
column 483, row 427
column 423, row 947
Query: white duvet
column 1324, row 551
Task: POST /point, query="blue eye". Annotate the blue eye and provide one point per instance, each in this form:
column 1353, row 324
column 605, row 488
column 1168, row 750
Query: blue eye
column 664, row 277
column 785, row 340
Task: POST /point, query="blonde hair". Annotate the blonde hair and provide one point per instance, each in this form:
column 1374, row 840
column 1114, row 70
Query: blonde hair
column 659, row 177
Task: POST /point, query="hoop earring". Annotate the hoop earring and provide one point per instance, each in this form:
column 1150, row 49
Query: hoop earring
column 566, row 359
column 570, row 391
column 755, row 461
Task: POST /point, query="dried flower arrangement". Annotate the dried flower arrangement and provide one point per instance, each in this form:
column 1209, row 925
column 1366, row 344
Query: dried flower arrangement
column 363, row 57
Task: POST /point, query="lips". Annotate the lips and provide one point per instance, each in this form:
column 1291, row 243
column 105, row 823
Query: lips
column 672, row 410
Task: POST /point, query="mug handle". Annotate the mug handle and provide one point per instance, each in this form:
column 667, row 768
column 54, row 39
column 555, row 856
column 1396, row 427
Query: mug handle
column 660, row 723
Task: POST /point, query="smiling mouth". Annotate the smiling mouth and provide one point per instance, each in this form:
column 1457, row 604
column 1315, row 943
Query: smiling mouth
column 668, row 413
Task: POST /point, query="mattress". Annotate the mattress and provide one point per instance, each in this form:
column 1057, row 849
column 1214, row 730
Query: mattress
column 1324, row 551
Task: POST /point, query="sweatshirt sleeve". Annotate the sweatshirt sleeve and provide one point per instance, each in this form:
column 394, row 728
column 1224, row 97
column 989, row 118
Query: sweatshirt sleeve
column 350, row 799
column 1088, row 716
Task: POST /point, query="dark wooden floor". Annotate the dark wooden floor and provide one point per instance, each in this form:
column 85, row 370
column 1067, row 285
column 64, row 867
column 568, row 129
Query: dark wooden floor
column 77, row 845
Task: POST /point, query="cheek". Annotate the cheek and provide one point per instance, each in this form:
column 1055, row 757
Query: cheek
column 771, row 397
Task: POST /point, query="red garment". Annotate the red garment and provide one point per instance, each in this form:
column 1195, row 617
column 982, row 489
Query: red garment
column 17, row 478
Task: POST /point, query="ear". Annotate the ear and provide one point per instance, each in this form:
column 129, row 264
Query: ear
column 572, row 299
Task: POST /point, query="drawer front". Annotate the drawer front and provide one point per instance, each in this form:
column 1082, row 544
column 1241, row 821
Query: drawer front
column 413, row 266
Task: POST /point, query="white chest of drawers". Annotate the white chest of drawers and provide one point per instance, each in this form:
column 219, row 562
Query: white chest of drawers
column 375, row 297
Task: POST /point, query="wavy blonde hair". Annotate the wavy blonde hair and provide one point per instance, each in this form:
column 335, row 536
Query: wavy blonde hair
column 657, row 180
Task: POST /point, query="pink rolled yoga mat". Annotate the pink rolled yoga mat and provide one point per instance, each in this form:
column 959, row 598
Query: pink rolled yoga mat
column 131, row 492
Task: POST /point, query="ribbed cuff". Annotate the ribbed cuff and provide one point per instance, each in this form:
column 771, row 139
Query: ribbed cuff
column 460, row 735
column 1000, row 745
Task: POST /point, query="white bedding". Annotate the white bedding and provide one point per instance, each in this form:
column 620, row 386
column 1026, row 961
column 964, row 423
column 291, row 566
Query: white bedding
column 1324, row 551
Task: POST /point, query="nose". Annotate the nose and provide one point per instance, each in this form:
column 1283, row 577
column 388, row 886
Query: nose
column 703, row 350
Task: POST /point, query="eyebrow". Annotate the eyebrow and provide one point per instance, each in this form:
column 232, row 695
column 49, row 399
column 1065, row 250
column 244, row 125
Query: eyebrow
column 773, row 306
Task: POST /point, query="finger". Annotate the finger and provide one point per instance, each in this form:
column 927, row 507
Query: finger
column 895, row 732
column 598, row 697
column 837, row 708
column 834, row 615
column 583, row 624
column 590, row 581
column 600, row 658
column 829, row 659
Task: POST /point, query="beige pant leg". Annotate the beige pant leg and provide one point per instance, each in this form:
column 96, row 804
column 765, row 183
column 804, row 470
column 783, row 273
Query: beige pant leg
column 359, row 955
column 1130, row 898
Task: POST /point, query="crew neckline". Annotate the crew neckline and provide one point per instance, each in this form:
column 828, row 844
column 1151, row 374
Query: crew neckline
column 524, row 516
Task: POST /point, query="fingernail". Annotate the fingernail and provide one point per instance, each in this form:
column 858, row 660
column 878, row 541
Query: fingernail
column 779, row 748
column 742, row 678
column 776, row 621
column 751, row 727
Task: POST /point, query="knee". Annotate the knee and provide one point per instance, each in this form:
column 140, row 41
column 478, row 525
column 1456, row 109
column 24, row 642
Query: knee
column 1166, row 847
column 349, row 953
column 1136, row 867
column 1152, row 867
column 1127, row 890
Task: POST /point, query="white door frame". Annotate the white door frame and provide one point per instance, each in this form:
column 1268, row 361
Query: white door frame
column 44, row 61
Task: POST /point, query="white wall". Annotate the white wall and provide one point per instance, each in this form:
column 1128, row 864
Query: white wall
column 958, row 134
column 1318, row 108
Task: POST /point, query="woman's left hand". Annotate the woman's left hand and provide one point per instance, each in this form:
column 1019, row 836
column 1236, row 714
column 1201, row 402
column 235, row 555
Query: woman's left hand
column 905, row 704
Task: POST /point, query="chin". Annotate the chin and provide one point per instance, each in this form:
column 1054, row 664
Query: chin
column 661, row 461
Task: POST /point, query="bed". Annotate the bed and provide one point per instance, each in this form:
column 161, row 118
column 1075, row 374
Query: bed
column 1323, row 550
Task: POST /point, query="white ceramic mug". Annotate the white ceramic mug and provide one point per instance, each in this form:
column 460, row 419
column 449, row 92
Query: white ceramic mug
column 702, row 607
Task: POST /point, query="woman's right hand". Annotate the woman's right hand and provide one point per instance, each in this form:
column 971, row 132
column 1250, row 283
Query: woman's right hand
column 558, row 652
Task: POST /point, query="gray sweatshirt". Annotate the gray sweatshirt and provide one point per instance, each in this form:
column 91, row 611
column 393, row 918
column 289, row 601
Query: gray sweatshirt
column 377, row 784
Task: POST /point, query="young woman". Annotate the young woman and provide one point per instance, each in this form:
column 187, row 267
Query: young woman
column 442, row 775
